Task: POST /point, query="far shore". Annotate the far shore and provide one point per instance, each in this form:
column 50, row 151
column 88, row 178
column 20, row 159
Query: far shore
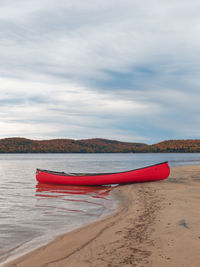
column 157, row 224
column 95, row 145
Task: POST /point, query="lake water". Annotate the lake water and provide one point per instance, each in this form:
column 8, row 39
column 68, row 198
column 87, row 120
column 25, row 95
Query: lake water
column 33, row 214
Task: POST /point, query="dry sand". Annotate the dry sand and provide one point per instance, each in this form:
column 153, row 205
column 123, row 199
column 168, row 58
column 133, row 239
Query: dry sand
column 157, row 224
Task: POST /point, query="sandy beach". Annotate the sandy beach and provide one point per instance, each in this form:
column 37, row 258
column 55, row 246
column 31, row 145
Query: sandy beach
column 157, row 224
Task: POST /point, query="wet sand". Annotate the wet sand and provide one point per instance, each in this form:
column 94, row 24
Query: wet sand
column 157, row 224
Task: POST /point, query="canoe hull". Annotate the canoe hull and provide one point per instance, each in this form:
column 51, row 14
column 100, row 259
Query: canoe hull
column 151, row 173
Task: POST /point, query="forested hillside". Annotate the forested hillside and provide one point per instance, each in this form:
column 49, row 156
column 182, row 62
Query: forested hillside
column 177, row 146
column 23, row 145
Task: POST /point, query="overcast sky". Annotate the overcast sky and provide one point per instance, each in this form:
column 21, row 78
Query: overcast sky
column 117, row 69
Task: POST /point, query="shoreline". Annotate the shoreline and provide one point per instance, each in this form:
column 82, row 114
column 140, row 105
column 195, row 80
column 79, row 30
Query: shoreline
column 157, row 224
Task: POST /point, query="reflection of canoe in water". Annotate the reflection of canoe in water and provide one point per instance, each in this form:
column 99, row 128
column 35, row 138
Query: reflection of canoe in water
column 57, row 190
column 82, row 200
column 151, row 173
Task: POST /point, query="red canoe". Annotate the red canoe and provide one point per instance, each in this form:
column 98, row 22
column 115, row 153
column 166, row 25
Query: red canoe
column 151, row 173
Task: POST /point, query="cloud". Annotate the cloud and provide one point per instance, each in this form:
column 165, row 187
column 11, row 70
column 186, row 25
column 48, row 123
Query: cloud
column 100, row 68
column 65, row 111
column 91, row 40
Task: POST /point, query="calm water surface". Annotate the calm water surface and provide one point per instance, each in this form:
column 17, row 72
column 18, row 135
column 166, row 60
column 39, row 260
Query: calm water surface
column 32, row 214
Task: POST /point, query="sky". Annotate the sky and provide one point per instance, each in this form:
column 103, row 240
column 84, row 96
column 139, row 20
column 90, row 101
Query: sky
column 118, row 69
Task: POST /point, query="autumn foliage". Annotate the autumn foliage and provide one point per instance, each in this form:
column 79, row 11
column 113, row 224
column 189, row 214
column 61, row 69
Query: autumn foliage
column 23, row 145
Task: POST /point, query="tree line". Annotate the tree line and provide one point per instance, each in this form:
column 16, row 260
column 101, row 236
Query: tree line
column 23, row 145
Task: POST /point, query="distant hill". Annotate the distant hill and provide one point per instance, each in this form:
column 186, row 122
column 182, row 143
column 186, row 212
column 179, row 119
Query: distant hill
column 23, row 145
column 177, row 146
column 97, row 145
